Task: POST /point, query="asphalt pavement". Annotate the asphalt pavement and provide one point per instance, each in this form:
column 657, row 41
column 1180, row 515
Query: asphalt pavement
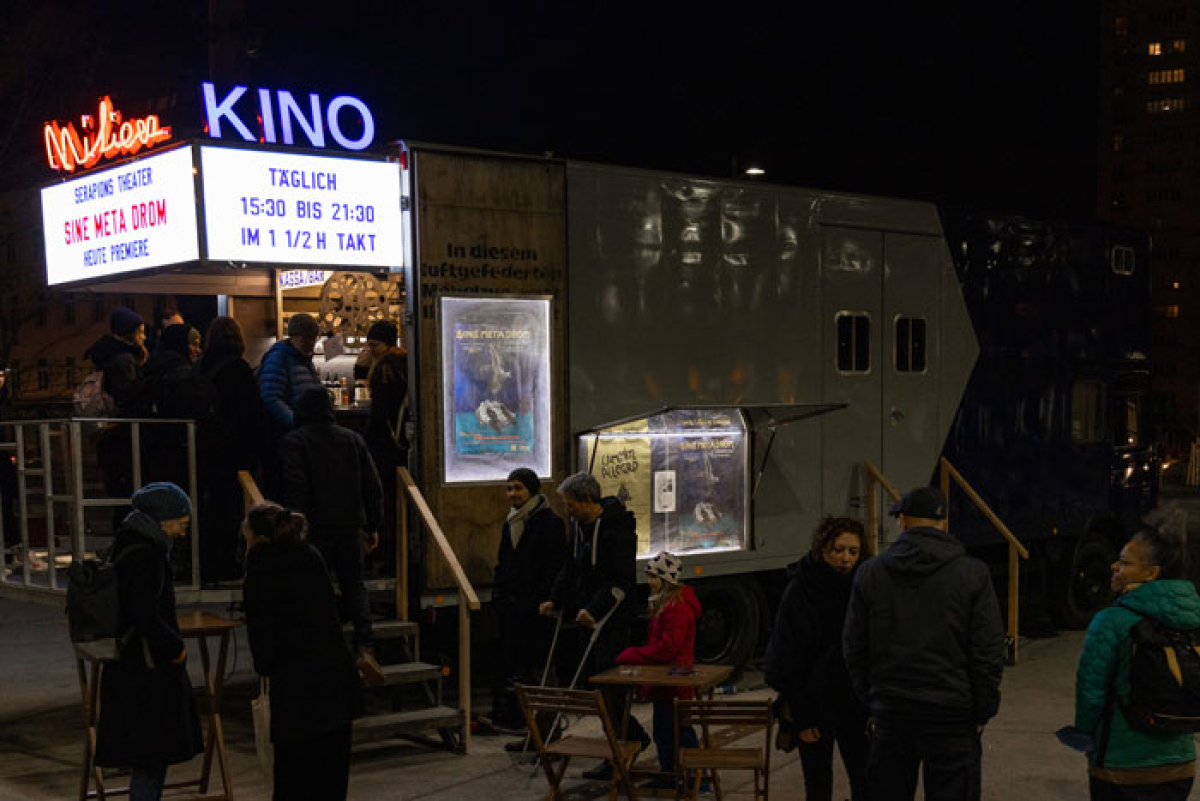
column 41, row 732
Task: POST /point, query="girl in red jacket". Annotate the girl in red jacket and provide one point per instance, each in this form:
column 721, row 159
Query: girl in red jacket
column 674, row 611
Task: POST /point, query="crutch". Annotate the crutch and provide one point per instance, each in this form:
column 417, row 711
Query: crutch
column 558, row 619
column 619, row 596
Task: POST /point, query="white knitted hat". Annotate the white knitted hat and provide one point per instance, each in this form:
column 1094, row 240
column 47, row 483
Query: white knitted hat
column 667, row 566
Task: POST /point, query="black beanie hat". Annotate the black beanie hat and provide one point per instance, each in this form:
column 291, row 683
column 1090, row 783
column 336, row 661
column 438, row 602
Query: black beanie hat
column 528, row 478
column 385, row 332
column 124, row 321
column 175, row 338
column 162, row 500
column 314, row 406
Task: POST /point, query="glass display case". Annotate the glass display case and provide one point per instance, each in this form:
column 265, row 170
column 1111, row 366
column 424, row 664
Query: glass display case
column 495, row 387
column 682, row 472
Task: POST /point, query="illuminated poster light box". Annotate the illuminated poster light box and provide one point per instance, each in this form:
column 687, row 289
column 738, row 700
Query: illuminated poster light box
column 288, row 208
column 495, row 387
column 137, row 216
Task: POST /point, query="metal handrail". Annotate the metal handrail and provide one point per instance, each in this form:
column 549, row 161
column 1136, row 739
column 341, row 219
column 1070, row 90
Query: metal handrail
column 875, row 477
column 468, row 601
column 1016, row 551
column 70, row 434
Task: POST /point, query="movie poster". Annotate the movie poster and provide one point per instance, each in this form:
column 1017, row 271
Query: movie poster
column 683, row 474
column 496, row 389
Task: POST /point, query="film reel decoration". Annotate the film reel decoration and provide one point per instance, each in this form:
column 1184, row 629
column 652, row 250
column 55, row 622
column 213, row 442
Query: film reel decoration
column 352, row 302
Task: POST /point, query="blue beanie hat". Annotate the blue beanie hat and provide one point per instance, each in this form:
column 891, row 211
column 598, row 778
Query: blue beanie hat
column 162, row 500
column 124, row 321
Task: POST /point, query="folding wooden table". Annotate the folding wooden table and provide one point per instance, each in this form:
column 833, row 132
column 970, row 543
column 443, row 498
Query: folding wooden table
column 195, row 625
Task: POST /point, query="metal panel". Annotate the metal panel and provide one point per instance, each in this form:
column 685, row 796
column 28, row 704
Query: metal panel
column 852, row 287
column 912, row 436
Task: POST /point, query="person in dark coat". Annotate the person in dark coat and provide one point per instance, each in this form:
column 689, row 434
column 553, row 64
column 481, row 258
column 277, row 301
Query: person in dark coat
column 925, row 649
column 296, row 642
column 172, row 397
column 228, row 438
column 805, row 663
column 287, row 371
column 121, row 355
column 147, row 716
column 598, row 577
column 532, row 548
column 387, row 381
column 329, row 476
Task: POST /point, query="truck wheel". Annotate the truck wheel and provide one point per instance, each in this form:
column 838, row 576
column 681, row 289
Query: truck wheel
column 1083, row 582
column 730, row 618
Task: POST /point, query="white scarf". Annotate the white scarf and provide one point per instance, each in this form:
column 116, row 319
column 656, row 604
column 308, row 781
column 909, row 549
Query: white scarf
column 518, row 516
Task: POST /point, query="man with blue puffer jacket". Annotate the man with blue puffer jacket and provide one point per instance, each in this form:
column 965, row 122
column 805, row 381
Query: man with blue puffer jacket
column 287, row 372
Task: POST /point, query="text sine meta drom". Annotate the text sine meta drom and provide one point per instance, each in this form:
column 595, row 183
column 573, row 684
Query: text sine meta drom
column 112, row 222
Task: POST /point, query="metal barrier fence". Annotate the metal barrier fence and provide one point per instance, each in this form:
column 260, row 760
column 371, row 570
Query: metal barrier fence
column 52, row 472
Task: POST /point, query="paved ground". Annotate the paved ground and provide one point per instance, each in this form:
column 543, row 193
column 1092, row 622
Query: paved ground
column 40, row 731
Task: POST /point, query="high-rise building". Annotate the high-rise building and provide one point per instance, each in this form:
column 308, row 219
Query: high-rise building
column 1149, row 177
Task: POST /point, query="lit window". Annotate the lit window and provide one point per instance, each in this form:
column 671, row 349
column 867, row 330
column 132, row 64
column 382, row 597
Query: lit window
column 1121, row 26
column 1128, row 431
column 1179, row 45
column 1170, row 312
column 1174, row 285
column 853, row 342
column 1122, row 260
column 1155, row 48
column 1167, row 105
column 910, row 345
column 1118, row 143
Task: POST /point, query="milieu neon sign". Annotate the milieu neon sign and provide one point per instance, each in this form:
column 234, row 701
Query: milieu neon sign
column 104, row 136
column 278, row 116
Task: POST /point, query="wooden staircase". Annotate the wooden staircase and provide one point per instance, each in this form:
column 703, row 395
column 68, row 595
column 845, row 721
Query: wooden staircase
column 394, row 710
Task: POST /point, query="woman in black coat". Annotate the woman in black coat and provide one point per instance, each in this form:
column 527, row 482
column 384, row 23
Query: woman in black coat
column 147, row 717
column 296, row 641
column 229, row 426
column 804, row 659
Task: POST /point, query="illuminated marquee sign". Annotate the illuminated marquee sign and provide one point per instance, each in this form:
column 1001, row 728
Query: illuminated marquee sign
column 290, row 208
column 132, row 217
column 104, row 136
column 278, row 115
column 298, row 279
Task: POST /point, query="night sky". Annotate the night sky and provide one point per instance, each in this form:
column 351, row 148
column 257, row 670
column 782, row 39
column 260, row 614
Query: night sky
column 990, row 105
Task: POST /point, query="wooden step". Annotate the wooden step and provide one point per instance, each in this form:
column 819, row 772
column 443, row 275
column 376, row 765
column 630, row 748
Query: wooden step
column 409, row 672
column 383, row 727
column 388, row 629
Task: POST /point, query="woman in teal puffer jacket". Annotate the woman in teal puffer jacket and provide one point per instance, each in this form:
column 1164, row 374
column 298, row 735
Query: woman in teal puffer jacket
column 1148, row 576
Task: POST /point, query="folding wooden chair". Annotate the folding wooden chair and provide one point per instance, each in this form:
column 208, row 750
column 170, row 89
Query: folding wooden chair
column 556, row 701
column 743, row 718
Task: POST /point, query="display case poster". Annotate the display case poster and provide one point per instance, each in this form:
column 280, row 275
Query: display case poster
column 496, row 387
column 622, row 465
column 709, row 460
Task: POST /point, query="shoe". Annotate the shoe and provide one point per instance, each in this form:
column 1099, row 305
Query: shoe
column 601, row 773
column 372, row 673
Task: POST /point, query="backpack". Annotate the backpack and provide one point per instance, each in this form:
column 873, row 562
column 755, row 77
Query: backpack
column 94, row 607
column 92, row 400
column 1164, row 679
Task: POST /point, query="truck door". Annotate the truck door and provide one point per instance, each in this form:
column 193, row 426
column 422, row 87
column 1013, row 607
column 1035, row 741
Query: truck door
column 910, row 366
column 851, row 312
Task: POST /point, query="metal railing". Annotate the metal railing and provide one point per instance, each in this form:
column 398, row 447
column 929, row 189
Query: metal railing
column 468, row 601
column 947, row 473
column 44, row 447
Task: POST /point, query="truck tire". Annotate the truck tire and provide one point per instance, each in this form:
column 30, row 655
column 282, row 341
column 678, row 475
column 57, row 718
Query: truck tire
column 730, row 620
column 1082, row 582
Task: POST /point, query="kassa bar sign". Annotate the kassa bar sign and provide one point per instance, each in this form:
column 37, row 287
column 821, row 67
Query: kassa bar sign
column 133, row 217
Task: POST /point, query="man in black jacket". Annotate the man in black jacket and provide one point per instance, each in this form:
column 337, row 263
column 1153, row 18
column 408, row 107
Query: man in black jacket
column 532, row 547
column 329, row 476
column 925, row 649
column 598, row 578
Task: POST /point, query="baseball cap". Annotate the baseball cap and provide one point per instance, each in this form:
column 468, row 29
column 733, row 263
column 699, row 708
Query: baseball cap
column 926, row 502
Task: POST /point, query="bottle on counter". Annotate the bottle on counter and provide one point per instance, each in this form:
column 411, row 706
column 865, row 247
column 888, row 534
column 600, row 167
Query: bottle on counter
column 347, row 399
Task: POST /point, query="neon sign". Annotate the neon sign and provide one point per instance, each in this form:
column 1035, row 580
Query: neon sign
column 110, row 137
column 291, row 115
